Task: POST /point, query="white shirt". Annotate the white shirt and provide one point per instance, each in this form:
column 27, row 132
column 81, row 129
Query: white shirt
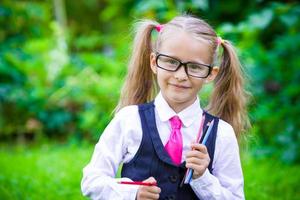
column 122, row 137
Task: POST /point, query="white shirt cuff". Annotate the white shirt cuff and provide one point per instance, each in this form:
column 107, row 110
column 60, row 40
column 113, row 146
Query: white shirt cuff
column 202, row 180
column 129, row 191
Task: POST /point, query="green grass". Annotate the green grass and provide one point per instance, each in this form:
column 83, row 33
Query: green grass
column 269, row 179
column 47, row 172
column 54, row 172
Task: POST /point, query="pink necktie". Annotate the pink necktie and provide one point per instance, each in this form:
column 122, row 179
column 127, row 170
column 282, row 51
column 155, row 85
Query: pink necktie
column 174, row 145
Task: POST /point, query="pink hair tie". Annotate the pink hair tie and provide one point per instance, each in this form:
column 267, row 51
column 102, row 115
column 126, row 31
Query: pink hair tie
column 219, row 41
column 159, row 27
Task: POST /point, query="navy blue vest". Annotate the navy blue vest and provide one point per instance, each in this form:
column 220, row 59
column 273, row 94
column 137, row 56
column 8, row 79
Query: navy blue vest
column 151, row 158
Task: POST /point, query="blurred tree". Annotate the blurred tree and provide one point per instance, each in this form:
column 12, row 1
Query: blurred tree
column 60, row 13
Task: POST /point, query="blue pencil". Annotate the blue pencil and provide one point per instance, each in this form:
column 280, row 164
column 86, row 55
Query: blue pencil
column 188, row 178
column 208, row 132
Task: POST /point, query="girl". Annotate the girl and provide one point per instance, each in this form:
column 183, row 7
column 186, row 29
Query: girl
column 155, row 140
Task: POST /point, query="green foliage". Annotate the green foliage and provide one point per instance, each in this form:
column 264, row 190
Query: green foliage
column 20, row 22
column 269, row 42
column 45, row 88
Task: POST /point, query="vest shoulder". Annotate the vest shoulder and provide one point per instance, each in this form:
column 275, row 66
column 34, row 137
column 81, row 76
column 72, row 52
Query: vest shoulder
column 210, row 115
column 146, row 106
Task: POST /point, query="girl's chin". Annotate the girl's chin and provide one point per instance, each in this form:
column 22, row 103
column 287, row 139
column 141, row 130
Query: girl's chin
column 177, row 98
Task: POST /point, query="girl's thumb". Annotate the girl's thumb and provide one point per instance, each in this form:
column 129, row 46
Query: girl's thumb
column 150, row 180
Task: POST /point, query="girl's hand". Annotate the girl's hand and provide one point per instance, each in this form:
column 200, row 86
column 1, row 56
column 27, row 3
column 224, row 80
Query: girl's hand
column 148, row 192
column 197, row 159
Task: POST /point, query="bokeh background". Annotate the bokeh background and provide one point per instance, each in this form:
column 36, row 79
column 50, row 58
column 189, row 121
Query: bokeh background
column 62, row 64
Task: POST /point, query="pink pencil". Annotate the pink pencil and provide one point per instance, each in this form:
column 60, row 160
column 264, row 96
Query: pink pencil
column 137, row 183
column 200, row 129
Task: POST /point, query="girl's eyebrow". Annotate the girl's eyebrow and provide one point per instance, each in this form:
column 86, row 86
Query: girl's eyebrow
column 190, row 61
column 198, row 62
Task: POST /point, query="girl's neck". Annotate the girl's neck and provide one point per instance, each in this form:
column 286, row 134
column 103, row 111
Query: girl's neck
column 178, row 107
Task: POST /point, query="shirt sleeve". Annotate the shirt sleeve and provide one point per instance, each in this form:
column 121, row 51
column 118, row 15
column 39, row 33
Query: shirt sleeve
column 99, row 180
column 226, row 180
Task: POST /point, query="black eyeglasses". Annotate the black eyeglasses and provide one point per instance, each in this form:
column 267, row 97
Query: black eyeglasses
column 171, row 64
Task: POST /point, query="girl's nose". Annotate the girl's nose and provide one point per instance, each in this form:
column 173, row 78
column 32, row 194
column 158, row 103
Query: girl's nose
column 181, row 74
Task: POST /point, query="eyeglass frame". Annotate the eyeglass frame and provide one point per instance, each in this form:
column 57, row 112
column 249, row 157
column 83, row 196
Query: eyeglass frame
column 184, row 64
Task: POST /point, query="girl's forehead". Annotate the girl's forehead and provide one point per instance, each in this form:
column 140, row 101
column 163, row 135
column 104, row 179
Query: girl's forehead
column 185, row 46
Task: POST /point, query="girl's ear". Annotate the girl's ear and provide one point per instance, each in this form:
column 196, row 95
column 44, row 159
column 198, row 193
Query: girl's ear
column 214, row 72
column 153, row 62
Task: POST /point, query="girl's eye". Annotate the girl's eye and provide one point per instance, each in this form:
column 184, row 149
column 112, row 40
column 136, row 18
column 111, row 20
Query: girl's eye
column 195, row 67
column 168, row 61
column 173, row 62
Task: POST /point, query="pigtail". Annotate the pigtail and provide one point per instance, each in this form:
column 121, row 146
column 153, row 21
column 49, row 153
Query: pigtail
column 139, row 86
column 228, row 100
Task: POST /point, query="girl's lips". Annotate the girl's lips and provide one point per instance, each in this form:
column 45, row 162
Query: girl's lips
column 179, row 86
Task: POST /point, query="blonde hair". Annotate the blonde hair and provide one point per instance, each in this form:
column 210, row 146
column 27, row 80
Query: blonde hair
column 228, row 100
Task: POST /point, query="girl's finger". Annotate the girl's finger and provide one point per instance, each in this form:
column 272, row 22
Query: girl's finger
column 148, row 195
column 150, row 180
column 152, row 196
column 194, row 160
column 199, row 147
column 154, row 189
column 197, row 168
column 195, row 153
column 148, row 192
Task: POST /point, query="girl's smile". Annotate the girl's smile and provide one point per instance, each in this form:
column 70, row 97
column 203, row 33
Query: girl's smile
column 179, row 86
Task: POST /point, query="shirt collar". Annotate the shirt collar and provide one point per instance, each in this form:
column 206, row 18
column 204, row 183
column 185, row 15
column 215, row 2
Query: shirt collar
column 187, row 116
